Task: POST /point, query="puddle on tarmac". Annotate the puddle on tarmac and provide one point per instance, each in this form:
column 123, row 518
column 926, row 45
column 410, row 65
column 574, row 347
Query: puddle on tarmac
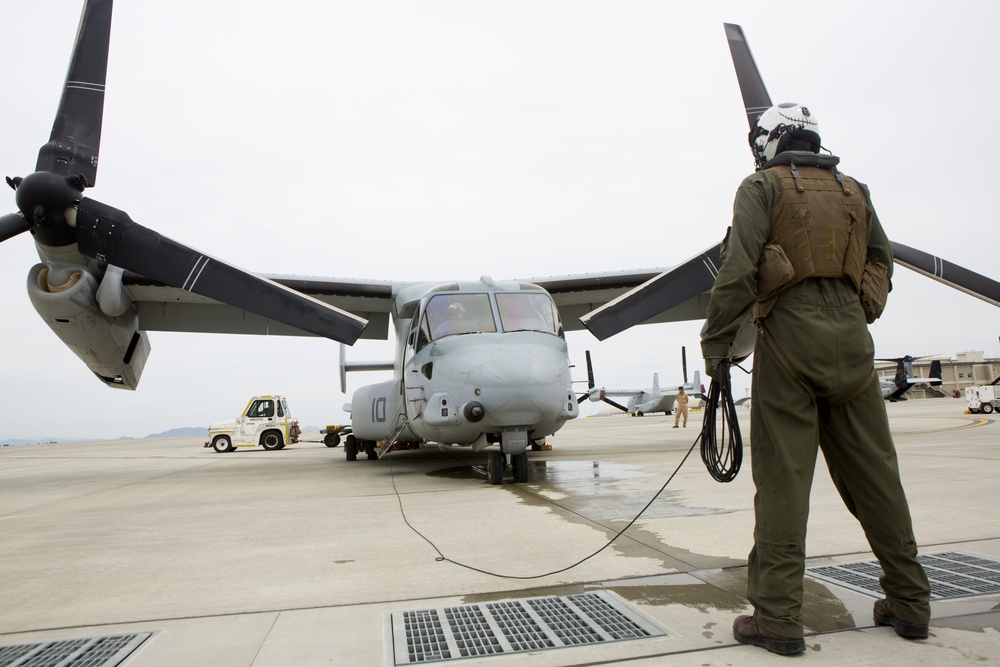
column 598, row 490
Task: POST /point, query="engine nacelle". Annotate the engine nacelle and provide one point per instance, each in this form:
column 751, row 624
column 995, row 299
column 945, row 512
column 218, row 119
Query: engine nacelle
column 111, row 346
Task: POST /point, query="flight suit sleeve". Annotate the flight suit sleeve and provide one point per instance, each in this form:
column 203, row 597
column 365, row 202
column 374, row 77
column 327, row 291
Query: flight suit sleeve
column 735, row 289
column 879, row 247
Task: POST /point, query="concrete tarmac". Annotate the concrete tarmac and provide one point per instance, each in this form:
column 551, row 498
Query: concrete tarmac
column 299, row 557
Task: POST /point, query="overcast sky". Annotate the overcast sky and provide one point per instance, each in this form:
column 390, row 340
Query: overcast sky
column 452, row 139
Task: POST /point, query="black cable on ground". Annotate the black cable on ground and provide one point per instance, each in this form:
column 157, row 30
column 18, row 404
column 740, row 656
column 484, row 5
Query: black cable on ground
column 722, row 460
column 442, row 557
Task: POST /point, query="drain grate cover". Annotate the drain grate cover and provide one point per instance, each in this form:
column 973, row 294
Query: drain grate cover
column 503, row 628
column 953, row 574
column 106, row 651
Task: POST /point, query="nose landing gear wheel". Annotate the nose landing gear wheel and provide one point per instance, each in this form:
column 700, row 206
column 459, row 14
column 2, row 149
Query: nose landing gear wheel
column 494, row 467
column 519, row 467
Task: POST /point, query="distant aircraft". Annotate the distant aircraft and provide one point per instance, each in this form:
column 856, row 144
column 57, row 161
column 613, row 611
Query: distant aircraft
column 643, row 401
column 498, row 382
column 894, row 388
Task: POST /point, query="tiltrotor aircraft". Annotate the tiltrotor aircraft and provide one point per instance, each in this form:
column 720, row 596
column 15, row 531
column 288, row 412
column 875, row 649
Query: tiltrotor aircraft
column 479, row 363
column 894, row 388
column 641, row 402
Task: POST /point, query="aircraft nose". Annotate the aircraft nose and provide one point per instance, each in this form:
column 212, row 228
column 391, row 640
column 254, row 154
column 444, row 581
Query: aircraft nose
column 523, row 387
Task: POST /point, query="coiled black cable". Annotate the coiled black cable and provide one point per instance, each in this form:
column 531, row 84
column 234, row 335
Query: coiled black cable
column 722, row 460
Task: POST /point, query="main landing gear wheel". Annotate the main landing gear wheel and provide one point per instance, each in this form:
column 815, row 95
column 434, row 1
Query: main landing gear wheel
column 494, row 467
column 371, row 450
column 331, row 440
column 351, row 448
column 222, row 444
column 519, row 467
column 272, row 441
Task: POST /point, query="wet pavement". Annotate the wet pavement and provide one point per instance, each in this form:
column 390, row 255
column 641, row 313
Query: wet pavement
column 301, row 557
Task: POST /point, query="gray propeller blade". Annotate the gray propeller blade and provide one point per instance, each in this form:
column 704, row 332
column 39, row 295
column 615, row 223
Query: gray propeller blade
column 656, row 296
column 947, row 273
column 11, row 225
column 755, row 97
column 76, row 132
column 110, row 235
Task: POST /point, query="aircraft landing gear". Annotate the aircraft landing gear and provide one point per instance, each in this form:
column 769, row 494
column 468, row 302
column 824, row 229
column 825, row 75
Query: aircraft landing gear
column 519, row 467
column 494, row 467
column 496, row 462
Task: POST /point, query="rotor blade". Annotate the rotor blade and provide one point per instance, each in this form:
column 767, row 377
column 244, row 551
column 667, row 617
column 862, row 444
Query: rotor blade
column 617, row 405
column 945, row 272
column 109, row 235
column 655, row 296
column 11, row 225
column 755, row 98
column 76, row 133
column 590, row 379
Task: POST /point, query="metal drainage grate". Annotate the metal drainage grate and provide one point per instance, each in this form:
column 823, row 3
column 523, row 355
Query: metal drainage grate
column 503, row 628
column 105, row 651
column 953, row 574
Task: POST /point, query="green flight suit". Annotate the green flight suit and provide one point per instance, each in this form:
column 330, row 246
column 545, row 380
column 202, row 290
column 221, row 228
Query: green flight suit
column 819, row 326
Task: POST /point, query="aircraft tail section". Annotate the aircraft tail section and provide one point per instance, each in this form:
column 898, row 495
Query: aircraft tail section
column 936, row 373
column 656, row 384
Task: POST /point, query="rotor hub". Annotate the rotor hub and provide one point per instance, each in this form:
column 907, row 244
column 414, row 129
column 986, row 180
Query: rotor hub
column 43, row 198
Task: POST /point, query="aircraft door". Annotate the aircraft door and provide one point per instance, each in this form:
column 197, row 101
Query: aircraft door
column 259, row 412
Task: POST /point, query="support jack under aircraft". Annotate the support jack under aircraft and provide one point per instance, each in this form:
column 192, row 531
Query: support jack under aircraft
column 477, row 363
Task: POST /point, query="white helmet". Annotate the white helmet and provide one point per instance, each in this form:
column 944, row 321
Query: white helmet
column 777, row 126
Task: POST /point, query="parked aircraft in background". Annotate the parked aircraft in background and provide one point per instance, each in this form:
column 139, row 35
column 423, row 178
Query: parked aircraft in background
column 643, row 401
column 894, row 388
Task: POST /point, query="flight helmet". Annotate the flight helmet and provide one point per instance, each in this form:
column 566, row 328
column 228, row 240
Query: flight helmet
column 787, row 126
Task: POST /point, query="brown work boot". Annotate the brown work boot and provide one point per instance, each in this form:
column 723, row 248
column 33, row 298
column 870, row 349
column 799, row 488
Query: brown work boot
column 747, row 631
column 883, row 616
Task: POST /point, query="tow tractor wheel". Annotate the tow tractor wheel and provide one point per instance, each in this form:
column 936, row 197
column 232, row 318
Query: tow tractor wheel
column 371, row 450
column 351, row 448
column 331, row 439
column 987, row 408
column 272, row 440
column 494, row 467
column 519, row 467
column 222, row 443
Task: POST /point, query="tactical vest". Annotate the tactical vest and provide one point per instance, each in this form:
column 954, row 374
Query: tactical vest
column 820, row 223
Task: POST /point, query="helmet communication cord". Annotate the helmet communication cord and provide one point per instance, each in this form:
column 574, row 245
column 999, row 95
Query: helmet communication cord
column 723, row 461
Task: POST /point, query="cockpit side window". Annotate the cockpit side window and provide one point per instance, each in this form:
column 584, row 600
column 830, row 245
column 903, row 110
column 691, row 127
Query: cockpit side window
column 261, row 408
column 450, row 314
column 528, row 311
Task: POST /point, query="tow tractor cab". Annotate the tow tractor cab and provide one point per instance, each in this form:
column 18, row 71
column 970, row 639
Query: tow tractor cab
column 266, row 421
column 478, row 364
column 984, row 398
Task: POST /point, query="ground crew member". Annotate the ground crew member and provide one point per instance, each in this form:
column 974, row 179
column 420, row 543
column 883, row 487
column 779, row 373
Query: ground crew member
column 681, row 407
column 807, row 261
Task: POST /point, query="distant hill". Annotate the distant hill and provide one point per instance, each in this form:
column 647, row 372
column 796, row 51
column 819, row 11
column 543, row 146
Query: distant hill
column 181, row 432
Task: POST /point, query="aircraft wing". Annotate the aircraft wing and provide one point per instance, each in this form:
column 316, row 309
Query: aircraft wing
column 607, row 304
column 165, row 308
column 639, row 394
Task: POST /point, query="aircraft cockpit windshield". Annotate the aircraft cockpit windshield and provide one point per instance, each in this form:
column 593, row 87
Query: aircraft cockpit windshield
column 528, row 311
column 450, row 314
